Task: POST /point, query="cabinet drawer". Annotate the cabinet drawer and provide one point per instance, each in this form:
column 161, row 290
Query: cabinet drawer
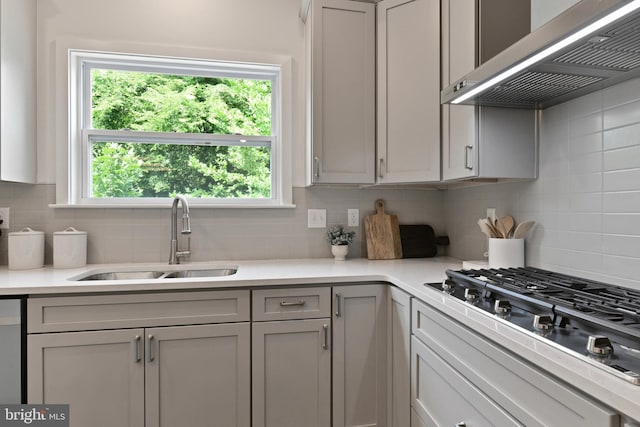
column 287, row 304
column 526, row 392
column 82, row 313
column 440, row 396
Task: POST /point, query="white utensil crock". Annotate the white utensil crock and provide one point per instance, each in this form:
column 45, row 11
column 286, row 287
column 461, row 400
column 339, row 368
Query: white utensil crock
column 506, row 253
column 26, row 249
column 69, row 248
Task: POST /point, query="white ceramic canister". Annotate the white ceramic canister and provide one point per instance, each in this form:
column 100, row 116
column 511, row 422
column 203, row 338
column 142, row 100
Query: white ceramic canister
column 69, row 248
column 505, row 253
column 26, row 249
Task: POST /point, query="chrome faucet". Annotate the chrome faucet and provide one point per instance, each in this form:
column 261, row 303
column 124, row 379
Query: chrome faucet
column 175, row 255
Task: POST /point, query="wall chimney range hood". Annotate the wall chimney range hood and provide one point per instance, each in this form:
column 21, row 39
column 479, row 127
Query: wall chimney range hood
column 592, row 45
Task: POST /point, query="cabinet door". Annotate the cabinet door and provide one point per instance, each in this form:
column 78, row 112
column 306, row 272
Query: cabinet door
column 399, row 339
column 459, row 57
column 408, row 91
column 342, row 82
column 99, row 374
column 291, row 373
column 18, row 20
column 198, row 375
column 360, row 356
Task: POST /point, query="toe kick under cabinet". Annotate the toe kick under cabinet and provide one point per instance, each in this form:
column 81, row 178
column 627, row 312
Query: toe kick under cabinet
column 462, row 379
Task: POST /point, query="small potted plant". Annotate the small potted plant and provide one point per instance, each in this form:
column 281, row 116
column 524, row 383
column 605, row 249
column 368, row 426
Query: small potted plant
column 340, row 239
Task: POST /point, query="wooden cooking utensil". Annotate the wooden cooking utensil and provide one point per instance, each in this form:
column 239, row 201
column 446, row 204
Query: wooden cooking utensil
column 522, row 230
column 508, row 224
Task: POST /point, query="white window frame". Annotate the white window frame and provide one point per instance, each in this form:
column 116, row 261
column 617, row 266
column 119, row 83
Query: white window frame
column 72, row 189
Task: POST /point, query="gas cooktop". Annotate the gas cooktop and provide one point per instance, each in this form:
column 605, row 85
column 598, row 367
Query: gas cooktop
column 593, row 320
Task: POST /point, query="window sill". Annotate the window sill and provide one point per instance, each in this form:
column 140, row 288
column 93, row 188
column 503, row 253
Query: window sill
column 168, row 206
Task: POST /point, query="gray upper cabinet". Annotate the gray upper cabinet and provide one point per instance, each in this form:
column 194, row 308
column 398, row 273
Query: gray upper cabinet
column 482, row 142
column 408, row 92
column 18, row 91
column 340, row 38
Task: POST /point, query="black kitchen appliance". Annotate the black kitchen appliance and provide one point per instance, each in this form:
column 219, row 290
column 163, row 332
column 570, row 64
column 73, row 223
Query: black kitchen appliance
column 591, row 319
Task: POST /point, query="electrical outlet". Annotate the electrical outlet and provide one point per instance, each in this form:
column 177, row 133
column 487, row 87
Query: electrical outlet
column 4, row 217
column 491, row 213
column 316, row 218
column 353, row 217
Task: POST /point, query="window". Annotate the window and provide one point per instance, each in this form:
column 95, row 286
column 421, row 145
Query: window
column 147, row 128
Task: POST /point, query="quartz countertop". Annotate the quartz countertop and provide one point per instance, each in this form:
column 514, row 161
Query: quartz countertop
column 407, row 274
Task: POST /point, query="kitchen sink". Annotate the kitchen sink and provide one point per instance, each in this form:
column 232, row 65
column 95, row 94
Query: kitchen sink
column 124, row 275
column 209, row 272
column 182, row 273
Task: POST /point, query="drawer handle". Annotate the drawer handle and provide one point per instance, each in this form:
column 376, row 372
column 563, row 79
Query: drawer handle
column 150, row 357
column 461, row 424
column 284, row 303
column 136, row 347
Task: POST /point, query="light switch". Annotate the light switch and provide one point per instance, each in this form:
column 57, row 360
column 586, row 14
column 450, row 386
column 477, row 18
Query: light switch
column 316, row 218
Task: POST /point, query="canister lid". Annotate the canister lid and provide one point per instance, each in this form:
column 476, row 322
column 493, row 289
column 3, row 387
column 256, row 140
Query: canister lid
column 26, row 232
column 69, row 231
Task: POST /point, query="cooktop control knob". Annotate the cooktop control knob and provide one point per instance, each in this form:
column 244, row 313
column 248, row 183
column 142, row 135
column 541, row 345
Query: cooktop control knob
column 502, row 307
column 471, row 295
column 543, row 323
column 448, row 286
column 599, row 345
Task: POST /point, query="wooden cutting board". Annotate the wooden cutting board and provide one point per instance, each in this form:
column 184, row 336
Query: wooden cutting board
column 383, row 234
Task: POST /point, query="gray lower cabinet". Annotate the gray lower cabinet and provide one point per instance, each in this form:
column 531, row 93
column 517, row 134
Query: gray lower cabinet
column 399, row 358
column 460, row 377
column 145, row 376
column 360, row 355
column 291, row 357
column 292, row 373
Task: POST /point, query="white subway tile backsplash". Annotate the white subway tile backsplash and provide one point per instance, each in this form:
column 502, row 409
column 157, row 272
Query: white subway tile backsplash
column 623, row 115
column 584, row 125
column 591, row 143
column 585, row 183
column 624, row 158
column 627, row 136
column 585, row 163
column 622, row 93
column 621, row 202
column 620, row 223
column 622, row 180
column 621, row 245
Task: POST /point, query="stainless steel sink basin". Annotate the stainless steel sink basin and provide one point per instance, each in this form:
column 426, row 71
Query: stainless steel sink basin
column 191, row 272
column 124, row 275
column 210, row 272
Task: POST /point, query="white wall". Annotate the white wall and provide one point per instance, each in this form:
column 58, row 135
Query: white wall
column 265, row 26
column 587, row 199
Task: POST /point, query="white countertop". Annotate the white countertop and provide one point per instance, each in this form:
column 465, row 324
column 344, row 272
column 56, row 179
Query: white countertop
column 407, row 274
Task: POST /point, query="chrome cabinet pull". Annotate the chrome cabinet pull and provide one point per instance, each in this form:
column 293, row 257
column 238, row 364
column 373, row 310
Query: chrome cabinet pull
column 283, row 303
column 338, row 295
column 149, row 350
column 325, row 332
column 380, row 174
column 467, row 148
column 136, row 348
column 316, row 161
column 461, row 424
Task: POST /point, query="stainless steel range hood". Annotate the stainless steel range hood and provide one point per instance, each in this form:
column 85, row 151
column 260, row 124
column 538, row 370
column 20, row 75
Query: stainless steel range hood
column 592, row 45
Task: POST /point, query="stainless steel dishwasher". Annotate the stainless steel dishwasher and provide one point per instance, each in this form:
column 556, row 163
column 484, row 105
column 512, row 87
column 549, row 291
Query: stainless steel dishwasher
column 12, row 350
